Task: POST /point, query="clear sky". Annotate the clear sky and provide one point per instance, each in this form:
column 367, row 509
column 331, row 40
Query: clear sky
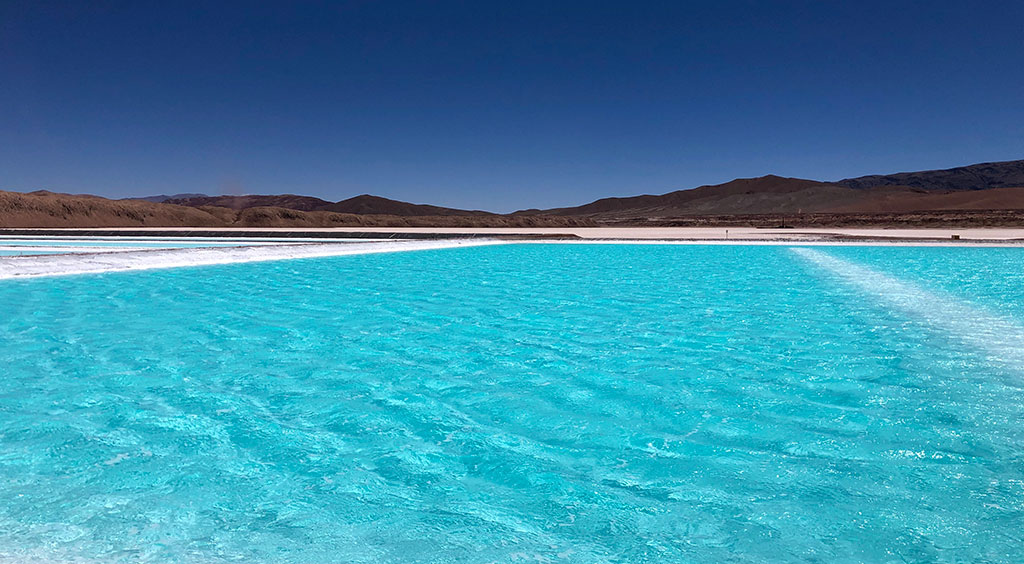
column 498, row 105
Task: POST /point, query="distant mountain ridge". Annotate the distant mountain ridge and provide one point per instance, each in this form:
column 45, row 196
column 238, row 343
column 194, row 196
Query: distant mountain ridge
column 770, row 194
column 743, row 195
column 897, row 193
column 48, row 209
column 360, row 205
column 367, row 204
column 288, row 201
column 975, row 188
column 982, row 176
column 163, row 197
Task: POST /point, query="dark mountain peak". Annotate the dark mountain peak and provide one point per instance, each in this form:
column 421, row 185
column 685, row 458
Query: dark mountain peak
column 364, row 204
column 767, row 183
column 979, row 176
column 368, row 204
column 680, row 200
column 371, row 200
column 289, row 201
column 164, row 197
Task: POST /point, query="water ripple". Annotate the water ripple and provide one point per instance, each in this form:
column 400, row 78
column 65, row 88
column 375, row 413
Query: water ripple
column 610, row 403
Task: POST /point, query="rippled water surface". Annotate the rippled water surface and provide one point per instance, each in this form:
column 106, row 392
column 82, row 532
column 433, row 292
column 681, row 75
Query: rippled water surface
column 521, row 403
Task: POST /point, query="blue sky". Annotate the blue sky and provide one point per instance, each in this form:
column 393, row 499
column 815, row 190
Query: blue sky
column 498, row 106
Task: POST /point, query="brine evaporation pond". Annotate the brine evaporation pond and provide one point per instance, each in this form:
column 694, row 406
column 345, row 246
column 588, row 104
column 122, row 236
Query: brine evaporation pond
column 522, row 402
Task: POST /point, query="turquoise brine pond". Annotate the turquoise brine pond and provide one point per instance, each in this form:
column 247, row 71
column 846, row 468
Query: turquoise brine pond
column 520, row 403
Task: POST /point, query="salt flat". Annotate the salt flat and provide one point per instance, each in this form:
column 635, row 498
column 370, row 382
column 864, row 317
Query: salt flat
column 1005, row 234
column 94, row 260
column 31, row 266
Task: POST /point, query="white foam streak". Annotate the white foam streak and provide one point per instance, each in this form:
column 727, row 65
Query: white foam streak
column 1000, row 338
column 60, row 265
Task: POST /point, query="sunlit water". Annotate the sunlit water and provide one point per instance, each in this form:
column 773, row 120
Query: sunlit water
column 520, row 403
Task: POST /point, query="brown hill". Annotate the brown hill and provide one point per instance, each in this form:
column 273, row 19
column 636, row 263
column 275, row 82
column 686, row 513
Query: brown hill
column 45, row 209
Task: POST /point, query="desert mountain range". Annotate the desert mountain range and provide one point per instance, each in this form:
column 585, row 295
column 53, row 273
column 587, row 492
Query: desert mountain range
column 985, row 194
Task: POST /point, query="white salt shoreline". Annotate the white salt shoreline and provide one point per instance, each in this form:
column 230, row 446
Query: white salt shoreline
column 106, row 260
column 33, row 266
